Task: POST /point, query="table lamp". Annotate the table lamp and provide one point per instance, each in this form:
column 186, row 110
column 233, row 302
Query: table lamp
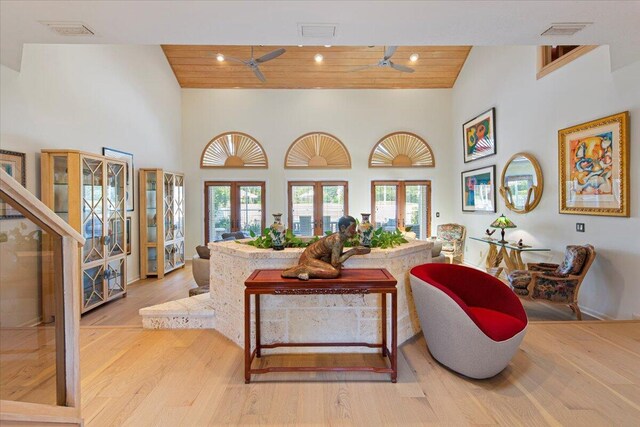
column 502, row 222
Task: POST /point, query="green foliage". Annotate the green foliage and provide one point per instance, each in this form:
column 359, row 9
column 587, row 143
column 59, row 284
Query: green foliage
column 380, row 239
column 387, row 239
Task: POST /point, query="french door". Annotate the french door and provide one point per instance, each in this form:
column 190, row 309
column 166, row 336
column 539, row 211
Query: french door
column 233, row 206
column 316, row 206
column 402, row 204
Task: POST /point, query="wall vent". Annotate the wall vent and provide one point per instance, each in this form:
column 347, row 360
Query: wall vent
column 317, row 31
column 69, row 28
column 565, row 28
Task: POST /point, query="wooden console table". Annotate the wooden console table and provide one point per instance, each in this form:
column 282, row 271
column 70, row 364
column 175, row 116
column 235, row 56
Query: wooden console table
column 351, row 281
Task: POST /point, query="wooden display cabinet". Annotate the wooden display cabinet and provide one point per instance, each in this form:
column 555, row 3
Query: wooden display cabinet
column 161, row 222
column 88, row 191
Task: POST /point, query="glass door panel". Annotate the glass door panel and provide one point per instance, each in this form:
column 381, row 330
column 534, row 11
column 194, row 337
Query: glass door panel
column 251, row 209
column 152, row 260
column 386, row 207
column 332, row 207
column 219, row 211
column 169, row 261
column 179, row 253
column 151, row 195
column 115, row 204
column 92, row 286
column 115, row 277
column 61, row 187
column 92, row 205
column 179, row 206
column 302, row 209
column 416, row 214
column 169, row 223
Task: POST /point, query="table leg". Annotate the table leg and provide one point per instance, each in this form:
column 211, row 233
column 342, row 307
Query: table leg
column 518, row 260
column 508, row 260
column 257, row 325
column 384, row 324
column 394, row 336
column 247, row 337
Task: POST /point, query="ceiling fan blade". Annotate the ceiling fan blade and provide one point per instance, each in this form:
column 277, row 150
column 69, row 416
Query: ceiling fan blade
column 365, row 67
column 271, row 55
column 401, row 68
column 259, row 74
column 232, row 59
column 389, row 51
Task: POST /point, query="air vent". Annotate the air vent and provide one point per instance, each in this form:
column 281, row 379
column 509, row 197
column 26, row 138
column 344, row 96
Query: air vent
column 69, row 28
column 317, row 31
column 565, row 29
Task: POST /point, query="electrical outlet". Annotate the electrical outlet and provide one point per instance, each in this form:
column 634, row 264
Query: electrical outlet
column 580, row 227
column 437, row 214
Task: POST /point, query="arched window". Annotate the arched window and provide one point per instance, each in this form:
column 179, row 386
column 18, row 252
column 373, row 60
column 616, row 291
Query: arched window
column 234, row 150
column 317, row 150
column 401, row 150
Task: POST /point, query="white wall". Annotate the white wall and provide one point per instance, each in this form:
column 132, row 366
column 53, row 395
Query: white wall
column 529, row 113
column 359, row 118
column 87, row 97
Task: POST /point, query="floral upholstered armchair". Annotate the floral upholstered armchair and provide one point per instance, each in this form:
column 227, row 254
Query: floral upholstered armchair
column 453, row 237
column 556, row 283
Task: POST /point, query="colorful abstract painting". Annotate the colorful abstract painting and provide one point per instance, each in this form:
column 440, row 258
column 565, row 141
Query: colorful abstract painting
column 479, row 136
column 479, row 190
column 592, row 164
column 594, row 176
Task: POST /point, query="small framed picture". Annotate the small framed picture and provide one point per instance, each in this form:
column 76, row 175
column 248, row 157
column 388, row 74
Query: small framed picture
column 594, row 167
column 479, row 136
column 13, row 163
column 130, row 175
column 479, row 190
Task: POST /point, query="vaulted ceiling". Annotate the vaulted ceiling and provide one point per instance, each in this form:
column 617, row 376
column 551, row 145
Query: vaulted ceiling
column 197, row 67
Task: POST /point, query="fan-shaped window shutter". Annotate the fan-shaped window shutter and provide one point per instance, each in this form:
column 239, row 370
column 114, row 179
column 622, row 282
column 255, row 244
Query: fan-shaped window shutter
column 401, row 150
column 233, row 150
column 317, row 150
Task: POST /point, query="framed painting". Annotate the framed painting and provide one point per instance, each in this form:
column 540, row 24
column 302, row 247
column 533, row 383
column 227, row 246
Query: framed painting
column 13, row 163
column 130, row 175
column 479, row 136
column 479, row 190
column 594, row 167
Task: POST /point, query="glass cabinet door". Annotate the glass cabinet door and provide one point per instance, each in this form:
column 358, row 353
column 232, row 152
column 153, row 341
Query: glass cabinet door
column 115, row 277
column 115, row 205
column 169, row 258
column 151, row 192
column 179, row 206
column 152, row 260
column 92, row 286
column 61, row 187
column 92, row 210
column 179, row 253
column 169, row 221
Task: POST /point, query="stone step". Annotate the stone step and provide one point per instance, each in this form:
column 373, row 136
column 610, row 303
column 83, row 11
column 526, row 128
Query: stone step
column 187, row 313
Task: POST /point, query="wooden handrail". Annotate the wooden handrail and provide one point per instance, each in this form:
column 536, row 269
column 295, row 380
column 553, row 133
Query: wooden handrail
column 34, row 209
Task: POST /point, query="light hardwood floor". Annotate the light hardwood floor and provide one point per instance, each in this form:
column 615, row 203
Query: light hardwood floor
column 585, row 374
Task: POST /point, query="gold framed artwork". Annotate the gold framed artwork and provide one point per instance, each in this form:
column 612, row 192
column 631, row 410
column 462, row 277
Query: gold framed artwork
column 13, row 163
column 594, row 167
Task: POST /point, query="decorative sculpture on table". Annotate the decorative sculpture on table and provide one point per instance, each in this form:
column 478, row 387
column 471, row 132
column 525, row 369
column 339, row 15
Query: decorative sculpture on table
column 323, row 259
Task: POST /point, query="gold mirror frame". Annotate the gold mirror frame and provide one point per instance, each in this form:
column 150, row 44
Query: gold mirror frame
column 535, row 190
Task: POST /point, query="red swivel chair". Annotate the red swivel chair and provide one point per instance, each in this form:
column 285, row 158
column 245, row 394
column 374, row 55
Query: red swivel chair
column 472, row 322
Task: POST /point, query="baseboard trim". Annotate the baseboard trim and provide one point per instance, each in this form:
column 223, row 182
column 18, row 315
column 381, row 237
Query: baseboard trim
column 596, row 314
column 135, row 279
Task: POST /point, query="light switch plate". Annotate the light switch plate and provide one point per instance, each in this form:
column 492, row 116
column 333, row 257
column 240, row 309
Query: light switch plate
column 580, row 227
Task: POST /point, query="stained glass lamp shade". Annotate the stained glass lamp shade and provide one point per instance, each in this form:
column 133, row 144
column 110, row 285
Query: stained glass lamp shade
column 502, row 222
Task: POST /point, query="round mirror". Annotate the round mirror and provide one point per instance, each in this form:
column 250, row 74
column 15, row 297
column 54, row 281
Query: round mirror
column 521, row 183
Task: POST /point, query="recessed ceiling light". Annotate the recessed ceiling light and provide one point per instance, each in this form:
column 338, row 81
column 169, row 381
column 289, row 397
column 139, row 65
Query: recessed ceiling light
column 327, row 45
column 220, row 57
column 299, row 45
column 414, row 57
column 318, row 57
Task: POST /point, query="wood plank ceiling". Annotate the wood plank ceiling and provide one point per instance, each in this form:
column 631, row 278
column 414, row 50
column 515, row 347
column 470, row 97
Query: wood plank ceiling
column 197, row 67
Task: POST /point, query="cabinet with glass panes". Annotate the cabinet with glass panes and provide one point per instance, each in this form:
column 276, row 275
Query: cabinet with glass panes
column 161, row 222
column 88, row 191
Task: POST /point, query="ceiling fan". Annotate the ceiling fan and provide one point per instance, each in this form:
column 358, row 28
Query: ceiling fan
column 254, row 63
column 386, row 62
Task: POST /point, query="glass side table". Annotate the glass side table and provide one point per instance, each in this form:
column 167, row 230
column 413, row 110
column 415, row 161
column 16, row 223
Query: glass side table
column 498, row 254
